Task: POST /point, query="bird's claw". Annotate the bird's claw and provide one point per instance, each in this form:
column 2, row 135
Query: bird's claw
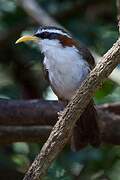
column 59, row 113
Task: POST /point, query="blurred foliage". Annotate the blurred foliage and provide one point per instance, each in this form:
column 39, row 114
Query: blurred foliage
column 93, row 23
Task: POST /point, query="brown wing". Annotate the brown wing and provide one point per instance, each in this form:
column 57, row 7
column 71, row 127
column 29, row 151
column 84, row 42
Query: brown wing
column 85, row 53
column 87, row 56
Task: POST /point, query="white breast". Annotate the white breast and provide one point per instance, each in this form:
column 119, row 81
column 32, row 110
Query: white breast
column 66, row 68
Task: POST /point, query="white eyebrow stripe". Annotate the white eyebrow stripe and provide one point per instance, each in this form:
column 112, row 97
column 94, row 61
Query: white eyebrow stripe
column 54, row 31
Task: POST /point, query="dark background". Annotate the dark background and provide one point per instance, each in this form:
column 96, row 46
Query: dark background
column 93, row 22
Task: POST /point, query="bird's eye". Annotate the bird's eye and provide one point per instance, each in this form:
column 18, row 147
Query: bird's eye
column 53, row 36
column 45, row 34
column 42, row 35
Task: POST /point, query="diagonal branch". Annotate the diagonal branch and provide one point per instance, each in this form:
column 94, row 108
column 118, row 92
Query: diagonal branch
column 63, row 128
column 38, row 14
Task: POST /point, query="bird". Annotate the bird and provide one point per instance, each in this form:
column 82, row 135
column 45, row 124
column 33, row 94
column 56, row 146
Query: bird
column 67, row 63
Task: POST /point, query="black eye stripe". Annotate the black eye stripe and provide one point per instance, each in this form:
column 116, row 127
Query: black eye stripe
column 42, row 35
column 54, row 35
column 48, row 35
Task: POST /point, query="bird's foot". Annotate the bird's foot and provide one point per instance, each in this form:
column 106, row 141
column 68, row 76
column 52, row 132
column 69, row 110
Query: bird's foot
column 60, row 113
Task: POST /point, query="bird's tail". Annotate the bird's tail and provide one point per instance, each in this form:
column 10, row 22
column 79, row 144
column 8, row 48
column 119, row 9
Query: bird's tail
column 86, row 130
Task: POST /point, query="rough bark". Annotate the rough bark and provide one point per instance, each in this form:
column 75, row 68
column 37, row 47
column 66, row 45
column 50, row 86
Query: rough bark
column 63, row 128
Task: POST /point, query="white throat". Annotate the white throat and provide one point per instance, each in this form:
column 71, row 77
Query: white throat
column 47, row 45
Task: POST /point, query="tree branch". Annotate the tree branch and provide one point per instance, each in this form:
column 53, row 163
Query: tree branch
column 115, row 75
column 42, row 112
column 29, row 112
column 10, row 134
column 32, row 8
column 63, row 128
column 29, row 121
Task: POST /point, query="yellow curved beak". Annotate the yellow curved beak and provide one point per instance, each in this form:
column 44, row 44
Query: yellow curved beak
column 27, row 38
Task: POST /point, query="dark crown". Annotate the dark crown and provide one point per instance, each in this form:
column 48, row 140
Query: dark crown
column 51, row 32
